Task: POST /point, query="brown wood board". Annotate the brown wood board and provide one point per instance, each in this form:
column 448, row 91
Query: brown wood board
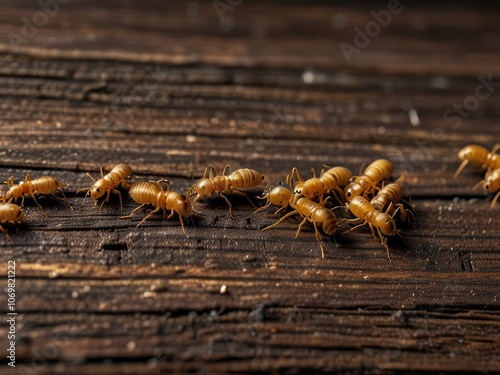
column 95, row 294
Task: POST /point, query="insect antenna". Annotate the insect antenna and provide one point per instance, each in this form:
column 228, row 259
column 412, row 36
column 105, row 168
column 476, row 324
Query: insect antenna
column 460, row 169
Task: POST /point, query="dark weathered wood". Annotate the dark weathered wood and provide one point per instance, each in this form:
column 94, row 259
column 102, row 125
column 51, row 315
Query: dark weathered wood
column 169, row 93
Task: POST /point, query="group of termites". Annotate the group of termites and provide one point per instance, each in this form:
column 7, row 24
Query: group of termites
column 367, row 199
column 482, row 158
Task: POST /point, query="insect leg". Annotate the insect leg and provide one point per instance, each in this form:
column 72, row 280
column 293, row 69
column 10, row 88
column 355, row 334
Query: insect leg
column 313, row 173
column 324, row 169
column 64, row 198
column 125, row 185
column 340, row 198
column 205, row 174
column 319, row 240
column 229, row 204
column 494, row 149
column 10, row 181
column 389, row 211
column 360, row 169
column 263, row 207
column 133, row 212
column 459, row 170
column 166, row 184
column 86, row 194
column 281, row 208
column 212, row 172
column 280, row 220
column 495, row 199
column 4, row 231
column 148, row 215
column 38, row 204
column 322, row 202
column 89, row 175
column 119, row 196
column 299, row 177
column 182, row 224
column 383, row 241
column 403, row 212
column 355, row 227
column 102, row 204
column 373, row 186
column 300, row 226
column 196, row 199
column 246, row 196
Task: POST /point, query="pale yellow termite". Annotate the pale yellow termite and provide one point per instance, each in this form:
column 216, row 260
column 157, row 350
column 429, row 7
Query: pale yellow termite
column 376, row 172
column 479, row 157
column 390, row 200
column 31, row 187
column 278, row 196
column 331, row 180
column 220, row 184
column 313, row 212
column 379, row 222
column 491, row 183
column 109, row 183
column 161, row 199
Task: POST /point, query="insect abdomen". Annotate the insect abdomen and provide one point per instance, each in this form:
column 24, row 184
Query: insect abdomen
column 145, row 193
column 118, row 174
column 245, row 178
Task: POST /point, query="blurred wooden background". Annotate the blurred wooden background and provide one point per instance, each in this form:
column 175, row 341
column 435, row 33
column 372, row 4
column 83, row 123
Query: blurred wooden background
column 172, row 87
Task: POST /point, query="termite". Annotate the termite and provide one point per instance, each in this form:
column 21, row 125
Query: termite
column 478, row 156
column 278, row 196
column 109, row 183
column 491, row 183
column 331, row 180
column 28, row 187
column 161, row 198
column 10, row 213
column 390, row 200
column 364, row 185
column 316, row 213
column 380, row 222
column 220, row 184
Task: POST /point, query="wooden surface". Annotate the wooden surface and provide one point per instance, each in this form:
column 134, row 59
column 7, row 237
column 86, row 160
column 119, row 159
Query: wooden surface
column 170, row 89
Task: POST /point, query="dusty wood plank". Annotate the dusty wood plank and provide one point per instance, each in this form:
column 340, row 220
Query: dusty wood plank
column 424, row 313
column 97, row 295
column 261, row 34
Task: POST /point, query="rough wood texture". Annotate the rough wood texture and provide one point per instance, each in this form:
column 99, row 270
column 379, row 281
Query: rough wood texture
column 169, row 89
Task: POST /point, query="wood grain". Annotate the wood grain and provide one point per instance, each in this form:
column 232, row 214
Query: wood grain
column 168, row 89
